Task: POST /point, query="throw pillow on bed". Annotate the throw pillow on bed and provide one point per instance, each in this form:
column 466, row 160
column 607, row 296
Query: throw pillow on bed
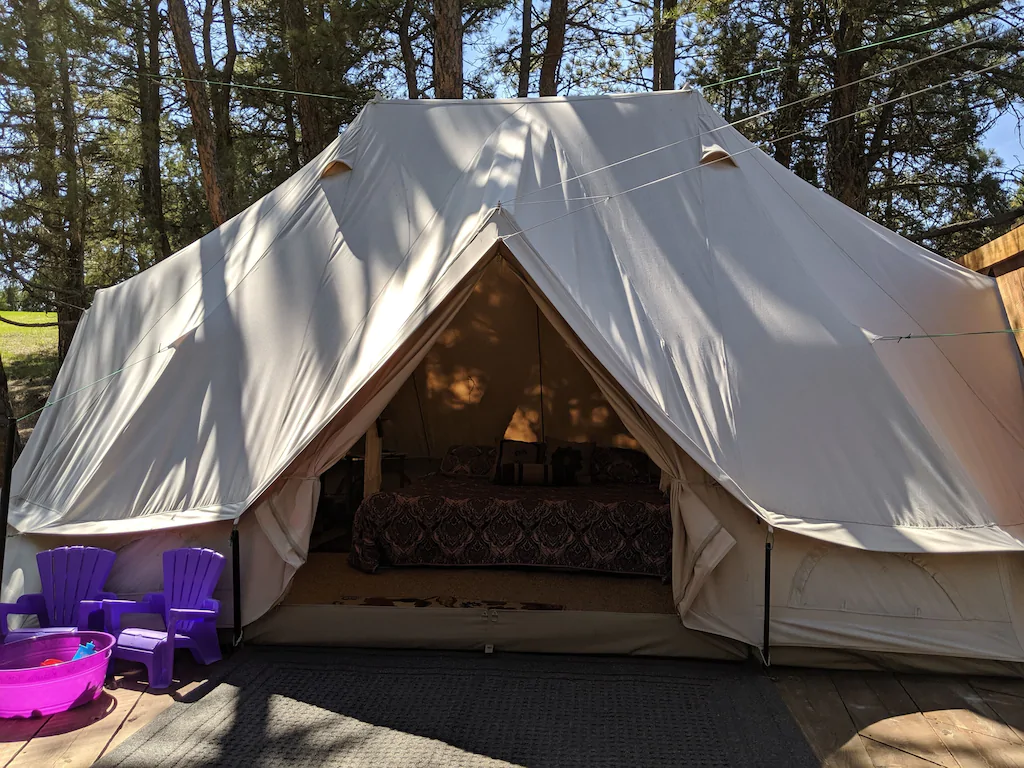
column 622, row 465
column 516, row 452
column 524, row 474
column 562, row 467
column 468, row 461
column 574, row 458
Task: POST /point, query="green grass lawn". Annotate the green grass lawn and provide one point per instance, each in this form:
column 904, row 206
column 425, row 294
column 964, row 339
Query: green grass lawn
column 30, row 359
column 29, row 352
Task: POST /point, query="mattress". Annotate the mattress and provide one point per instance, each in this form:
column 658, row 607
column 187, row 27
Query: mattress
column 468, row 521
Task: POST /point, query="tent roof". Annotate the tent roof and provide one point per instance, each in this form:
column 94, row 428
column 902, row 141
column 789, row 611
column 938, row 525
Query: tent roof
column 739, row 306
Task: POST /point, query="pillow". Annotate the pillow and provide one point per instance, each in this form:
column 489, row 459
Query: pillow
column 518, row 452
column 468, row 461
column 574, row 458
column 517, row 473
column 622, row 465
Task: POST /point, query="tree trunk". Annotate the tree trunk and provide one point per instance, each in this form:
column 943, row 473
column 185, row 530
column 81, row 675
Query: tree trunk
column 656, row 45
column 290, row 132
column 45, row 161
column 791, row 118
column 557, row 17
column 69, row 311
column 846, row 169
column 220, row 98
column 526, row 50
column 412, row 85
column 448, row 49
column 664, row 45
column 8, row 412
column 199, row 107
column 311, row 123
column 147, row 30
column 291, row 137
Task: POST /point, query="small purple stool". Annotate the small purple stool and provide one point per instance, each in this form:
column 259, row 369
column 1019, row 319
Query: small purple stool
column 187, row 607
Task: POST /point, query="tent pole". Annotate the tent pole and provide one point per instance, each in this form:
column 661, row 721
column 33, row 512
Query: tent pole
column 540, row 374
column 423, row 420
column 236, row 586
column 5, row 493
column 766, row 653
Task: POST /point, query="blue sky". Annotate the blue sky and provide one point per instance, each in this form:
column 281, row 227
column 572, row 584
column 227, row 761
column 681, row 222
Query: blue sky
column 1005, row 139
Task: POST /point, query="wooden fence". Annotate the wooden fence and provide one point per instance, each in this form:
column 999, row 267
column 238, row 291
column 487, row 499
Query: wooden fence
column 1003, row 259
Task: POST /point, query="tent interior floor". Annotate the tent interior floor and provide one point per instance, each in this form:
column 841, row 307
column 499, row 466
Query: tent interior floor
column 327, row 578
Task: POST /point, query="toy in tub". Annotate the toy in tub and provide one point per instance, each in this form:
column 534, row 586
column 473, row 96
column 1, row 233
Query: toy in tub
column 41, row 676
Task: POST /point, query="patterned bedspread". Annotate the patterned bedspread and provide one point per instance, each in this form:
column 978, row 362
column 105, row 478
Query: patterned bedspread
column 469, row 521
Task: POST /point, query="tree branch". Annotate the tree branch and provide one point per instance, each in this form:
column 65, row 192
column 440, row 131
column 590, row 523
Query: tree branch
column 38, row 325
column 988, row 221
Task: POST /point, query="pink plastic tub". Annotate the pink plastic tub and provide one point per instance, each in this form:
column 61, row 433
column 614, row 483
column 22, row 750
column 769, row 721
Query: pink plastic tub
column 29, row 690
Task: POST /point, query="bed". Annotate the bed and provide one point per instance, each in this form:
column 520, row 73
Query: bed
column 468, row 521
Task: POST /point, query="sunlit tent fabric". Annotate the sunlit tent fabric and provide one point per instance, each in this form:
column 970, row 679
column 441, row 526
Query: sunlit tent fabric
column 731, row 313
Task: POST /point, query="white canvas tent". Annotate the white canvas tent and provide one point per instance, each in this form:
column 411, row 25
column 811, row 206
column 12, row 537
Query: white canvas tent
column 730, row 312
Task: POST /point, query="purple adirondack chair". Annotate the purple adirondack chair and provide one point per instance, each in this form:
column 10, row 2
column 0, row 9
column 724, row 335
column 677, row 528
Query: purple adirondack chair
column 72, row 582
column 188, row 609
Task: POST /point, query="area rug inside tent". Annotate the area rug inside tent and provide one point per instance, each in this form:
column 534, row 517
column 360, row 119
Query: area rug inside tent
column 373, row 709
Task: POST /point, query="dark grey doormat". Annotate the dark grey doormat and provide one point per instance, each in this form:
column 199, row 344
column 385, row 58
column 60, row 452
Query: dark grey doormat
column 371, row 709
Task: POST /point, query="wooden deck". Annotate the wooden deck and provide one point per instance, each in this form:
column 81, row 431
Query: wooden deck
column 851, row 719
column 871, row 720
column 80, row 737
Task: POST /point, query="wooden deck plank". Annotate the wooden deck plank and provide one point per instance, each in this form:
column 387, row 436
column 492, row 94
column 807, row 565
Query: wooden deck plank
column 968, row 727
column 956, row 702
column 818, row 709
column 885, row 756
column 77, row 737
column 1009, row 707
column 15, row 734
column 973, row 750
column 999, row 685
column 894, row 732
column 146, row 709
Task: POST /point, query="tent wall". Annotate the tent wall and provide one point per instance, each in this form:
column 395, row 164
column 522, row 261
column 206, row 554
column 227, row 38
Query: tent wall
column 827, row 596
column 138, row 567
column 482, row 380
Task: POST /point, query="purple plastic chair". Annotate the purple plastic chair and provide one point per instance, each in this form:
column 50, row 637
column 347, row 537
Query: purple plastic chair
column 72, row 581
column 187, row 607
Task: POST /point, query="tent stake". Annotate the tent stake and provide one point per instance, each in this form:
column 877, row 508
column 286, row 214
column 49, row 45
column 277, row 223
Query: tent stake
column 766, row 653
column 236, row 586
column 5, row 493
